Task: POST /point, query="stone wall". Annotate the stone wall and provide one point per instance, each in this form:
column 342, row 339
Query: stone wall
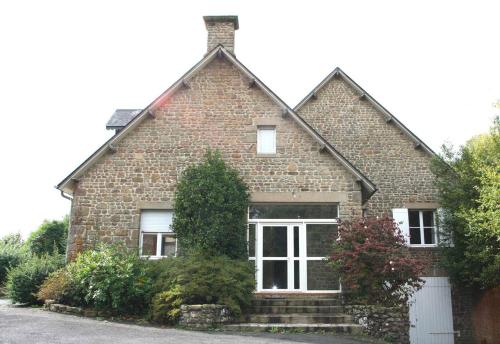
column 381, row 151
column 390, row 324
column 218, row 111
column 204, row 316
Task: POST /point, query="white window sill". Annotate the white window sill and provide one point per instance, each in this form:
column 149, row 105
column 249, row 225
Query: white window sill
column 423, row 245
column 155, row 257
column 266, row 155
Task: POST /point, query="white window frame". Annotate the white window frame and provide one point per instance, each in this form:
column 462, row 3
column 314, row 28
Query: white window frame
column 422, row 228
column 158, row 234
column 260, row 132
column 303, row 258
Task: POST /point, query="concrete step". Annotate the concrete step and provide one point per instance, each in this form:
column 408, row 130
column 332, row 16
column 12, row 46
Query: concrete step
column 300, row 318
column 297, row 302
column 297, row 309
column 301, row 328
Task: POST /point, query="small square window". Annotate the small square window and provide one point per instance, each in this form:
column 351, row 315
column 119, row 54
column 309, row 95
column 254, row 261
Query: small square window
column 422, row 227
column 266, row 140
column 157, row 238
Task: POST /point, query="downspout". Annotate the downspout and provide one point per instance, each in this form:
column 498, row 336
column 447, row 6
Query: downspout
column 67, row 197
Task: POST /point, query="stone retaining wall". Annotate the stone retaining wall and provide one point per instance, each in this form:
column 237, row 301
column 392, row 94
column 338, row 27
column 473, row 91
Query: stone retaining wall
column 86, row 312
column 204, row 316
column 390, row 324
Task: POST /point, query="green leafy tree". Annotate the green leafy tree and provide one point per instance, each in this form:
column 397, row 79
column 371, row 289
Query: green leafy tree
column 12, row 253
column 49, row 238
column 468, row 181
column 210, row 207
column 24, row 280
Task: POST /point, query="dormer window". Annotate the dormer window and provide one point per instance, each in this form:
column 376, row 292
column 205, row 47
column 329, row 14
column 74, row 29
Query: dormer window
column 266, row 140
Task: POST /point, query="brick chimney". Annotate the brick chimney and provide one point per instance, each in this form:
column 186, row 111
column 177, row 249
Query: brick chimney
column 221, row 31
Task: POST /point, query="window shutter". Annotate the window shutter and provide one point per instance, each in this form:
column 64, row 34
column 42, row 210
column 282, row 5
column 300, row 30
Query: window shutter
column 443, row 238
column 400, row 216
column 156, row 220
column 266, row 140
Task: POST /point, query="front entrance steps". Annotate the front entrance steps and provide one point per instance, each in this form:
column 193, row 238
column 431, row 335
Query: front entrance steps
column 298, row 313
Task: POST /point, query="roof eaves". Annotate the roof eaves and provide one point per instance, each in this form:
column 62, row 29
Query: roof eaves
column 135, row 121
column 389, row 116
column 219, row 49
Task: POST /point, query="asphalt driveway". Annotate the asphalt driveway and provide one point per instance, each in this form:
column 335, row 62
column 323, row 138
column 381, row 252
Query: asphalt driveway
column 31, row 325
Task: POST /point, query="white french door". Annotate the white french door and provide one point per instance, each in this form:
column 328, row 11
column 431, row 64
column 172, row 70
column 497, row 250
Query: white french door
column 278, row 257
column 290, row 256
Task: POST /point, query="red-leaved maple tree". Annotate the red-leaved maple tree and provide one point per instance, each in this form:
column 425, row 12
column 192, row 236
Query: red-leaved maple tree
column 374, row 263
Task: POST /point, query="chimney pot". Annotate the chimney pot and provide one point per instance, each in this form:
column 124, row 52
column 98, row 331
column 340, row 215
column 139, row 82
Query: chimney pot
column 221, row 31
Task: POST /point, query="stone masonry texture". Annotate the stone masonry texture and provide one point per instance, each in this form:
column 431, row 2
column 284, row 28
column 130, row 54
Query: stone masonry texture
column 220, row 33
column 380, row 150
column 218, row 111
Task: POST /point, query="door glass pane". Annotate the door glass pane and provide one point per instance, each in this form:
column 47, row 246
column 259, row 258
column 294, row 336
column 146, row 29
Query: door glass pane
column 293, row 211
column 320, row 276
column 296, row 241
column 296, row 274
column 320, row 239
column 168, row 245
column 274, row 274
column 251, row 240
column 149, row 244
column 275, row 241
column 415, row 236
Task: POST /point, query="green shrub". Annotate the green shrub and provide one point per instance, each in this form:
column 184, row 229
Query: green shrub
column 12, row 253
column 166, row 306
column 198, row 279
column 60, row 287
column 49, row 238
column 24, row 280
column 112, row 278
column 210, row 206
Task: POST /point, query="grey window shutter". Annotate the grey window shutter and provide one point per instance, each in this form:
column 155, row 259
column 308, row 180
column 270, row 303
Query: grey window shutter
column 400, row 216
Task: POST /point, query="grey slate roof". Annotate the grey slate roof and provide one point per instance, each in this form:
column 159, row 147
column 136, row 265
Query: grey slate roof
column 121, row 117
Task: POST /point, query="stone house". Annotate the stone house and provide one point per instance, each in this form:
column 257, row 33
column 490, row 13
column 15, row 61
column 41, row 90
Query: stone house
column 337, row 154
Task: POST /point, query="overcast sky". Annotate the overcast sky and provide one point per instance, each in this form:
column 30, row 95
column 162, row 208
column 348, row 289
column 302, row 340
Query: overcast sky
column 65, row 66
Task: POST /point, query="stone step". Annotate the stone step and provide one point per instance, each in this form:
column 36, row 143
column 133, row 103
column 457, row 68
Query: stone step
column 297, row 302
column 317, row 318
column 301, row 328
column 297, row 309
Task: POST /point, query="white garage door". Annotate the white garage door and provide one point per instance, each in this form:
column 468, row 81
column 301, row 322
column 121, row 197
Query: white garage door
column 431, row 320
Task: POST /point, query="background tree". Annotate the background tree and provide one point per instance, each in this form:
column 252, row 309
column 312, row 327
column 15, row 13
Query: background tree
column 12, row 253
column 49, row 238
column 210, row 207
column 468, row 181
column 374, row 262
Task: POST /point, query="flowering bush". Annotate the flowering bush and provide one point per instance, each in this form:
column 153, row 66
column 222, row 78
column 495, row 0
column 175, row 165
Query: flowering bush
column 374, row 262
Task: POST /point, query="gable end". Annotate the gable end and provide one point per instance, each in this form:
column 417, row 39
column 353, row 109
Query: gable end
column 389, row 117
